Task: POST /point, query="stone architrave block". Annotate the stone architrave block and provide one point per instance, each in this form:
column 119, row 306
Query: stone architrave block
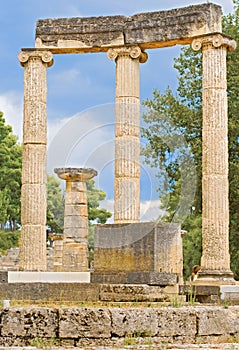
column 29, row 322
column 84, row 323
column 173, row 25
column 150, row 30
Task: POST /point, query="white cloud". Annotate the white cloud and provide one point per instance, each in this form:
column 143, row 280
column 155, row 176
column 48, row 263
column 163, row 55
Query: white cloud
column 149, row 210
column 11, row 104
column 85, row 139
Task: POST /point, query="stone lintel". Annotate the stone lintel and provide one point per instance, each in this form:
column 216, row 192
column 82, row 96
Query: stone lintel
column 148, row 30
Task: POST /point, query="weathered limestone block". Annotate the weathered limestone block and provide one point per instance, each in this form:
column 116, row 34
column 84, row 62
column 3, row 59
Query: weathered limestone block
column 93, row 327
column 175, row 322
column 75, row 221
column 138, row 247
column 217, row 321
column 140, row 321
column 150, row 30
column 29, row 322
column 72, row 210
column 76, row 198
column 76, row 233
column 84, row 322
column 153, row 278
column 75, row 256
column 57, row 292
column 130, row 292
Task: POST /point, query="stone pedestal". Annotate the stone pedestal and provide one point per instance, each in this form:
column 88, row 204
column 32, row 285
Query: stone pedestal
column 145, row 252
column 75, row 236
column 215, row 260
column 33, row 198
column 127, row 128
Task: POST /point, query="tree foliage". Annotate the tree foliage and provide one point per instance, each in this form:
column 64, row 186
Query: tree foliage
column 95, row 196
column 183, row 111
column 8, row 240
column 10, row 176
column 55, row 205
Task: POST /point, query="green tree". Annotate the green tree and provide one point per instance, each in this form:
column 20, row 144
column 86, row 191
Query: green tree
column 10, row 176
column 183, row 111
column 55, row 204
column 95, row 196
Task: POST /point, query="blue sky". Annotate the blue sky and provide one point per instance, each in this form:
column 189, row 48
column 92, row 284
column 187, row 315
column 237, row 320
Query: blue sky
column 81, row 88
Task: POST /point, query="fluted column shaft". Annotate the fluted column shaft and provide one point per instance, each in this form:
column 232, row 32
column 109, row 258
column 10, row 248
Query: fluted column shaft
column 215, row 204
column 33, row 196
column 127, row 130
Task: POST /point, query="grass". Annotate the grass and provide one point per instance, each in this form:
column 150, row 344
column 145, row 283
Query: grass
column 96, row 304
column 44, row 344
column 192, row 295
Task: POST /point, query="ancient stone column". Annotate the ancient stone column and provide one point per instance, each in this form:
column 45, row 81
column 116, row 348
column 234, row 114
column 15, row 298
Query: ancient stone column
column 33, row 197
column 75, row 237
column 127, row 129
column 215, row 259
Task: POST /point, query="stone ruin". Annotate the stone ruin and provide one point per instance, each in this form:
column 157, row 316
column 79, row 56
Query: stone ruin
column 125, row 40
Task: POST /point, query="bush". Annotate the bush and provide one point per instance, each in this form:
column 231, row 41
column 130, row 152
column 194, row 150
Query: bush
column 8, row 240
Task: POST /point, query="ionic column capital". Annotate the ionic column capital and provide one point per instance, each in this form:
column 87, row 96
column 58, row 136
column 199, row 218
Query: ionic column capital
column 214, row 40
column 45, row 56
column 134, row 52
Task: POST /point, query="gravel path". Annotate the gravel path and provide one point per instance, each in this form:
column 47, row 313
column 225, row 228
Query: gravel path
column 228, row 346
